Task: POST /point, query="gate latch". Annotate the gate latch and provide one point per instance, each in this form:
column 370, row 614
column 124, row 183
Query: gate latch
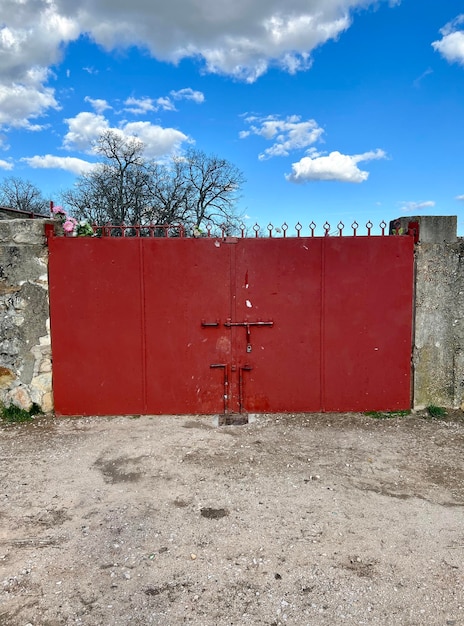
column 247, row 325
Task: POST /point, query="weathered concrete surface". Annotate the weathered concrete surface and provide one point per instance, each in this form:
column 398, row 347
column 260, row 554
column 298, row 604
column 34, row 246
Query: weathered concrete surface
column 432, row 228
column 25, row 350
column 439, row 325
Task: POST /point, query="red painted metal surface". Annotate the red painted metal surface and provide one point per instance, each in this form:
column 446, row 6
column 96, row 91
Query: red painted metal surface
column 183, row 325
column 279, row 280
column 96, row 326
column 366, row 323
column 186, row 283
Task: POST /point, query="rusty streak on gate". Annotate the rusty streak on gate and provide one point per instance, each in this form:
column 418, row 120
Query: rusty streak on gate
column 178, row 325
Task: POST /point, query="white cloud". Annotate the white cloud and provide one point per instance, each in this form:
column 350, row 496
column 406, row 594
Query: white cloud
column 414, row 207
column 334, row 166
column 287, row 135
column 141, row 106
column 70, row 164
column 86, row 128
column 460, row 198
column 249, row 37
column 31, row 38
column 451, row 45
column 165, row 104
column 22, row 102
column 6, row 165
column 188, row 94
column 417, row 82
column 98, row 104
column 241, row 39
column 159, row 142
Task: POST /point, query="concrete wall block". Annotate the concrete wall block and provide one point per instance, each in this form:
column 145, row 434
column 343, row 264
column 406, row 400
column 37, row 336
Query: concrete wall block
column 29, row 231
column 439, row 325
column 432, row 228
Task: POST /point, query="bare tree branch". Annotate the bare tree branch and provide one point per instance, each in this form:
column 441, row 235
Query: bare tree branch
column 124, row 188
column 22, row 195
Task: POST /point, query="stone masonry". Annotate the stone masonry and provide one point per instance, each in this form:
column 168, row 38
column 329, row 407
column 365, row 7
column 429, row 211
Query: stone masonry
column 25, row 348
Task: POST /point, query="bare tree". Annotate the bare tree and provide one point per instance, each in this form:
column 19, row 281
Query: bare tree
column 20, row 194
column 213, row 186
column 125, row 188
column 169, row 193
column 116, row 190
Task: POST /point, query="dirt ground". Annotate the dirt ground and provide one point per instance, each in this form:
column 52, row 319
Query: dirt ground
column 299, row 520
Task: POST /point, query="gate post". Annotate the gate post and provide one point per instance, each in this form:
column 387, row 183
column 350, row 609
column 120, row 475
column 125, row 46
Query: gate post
column 438, row 349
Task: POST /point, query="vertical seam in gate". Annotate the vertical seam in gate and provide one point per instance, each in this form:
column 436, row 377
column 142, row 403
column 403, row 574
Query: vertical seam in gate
column 233, row 313
column 322, row 330
column 143, row 326
column 233, row 286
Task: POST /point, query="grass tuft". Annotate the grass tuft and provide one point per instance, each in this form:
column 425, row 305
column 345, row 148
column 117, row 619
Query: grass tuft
column 14, row 415
column 384, row 415
column 436, row 411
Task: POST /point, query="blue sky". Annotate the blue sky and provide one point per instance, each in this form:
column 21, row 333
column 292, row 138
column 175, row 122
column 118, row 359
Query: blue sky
column 333, row 109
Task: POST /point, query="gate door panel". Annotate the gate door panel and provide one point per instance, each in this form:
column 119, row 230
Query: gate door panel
column 96, row 322
column 186, row 301
column 368, row 283
column 278, row 282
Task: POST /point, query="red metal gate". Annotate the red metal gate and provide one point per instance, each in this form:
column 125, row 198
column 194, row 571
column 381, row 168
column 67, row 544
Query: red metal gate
column 183, row 325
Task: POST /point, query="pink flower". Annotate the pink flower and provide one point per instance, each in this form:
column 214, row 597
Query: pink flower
column 58, row 210
column 69, row 225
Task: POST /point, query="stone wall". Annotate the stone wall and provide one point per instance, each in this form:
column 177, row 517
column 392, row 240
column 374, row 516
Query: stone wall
column 25, row 349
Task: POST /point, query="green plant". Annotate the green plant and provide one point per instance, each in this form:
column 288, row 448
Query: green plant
column 436, row 411
column 13, row 414
column 383, row 415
